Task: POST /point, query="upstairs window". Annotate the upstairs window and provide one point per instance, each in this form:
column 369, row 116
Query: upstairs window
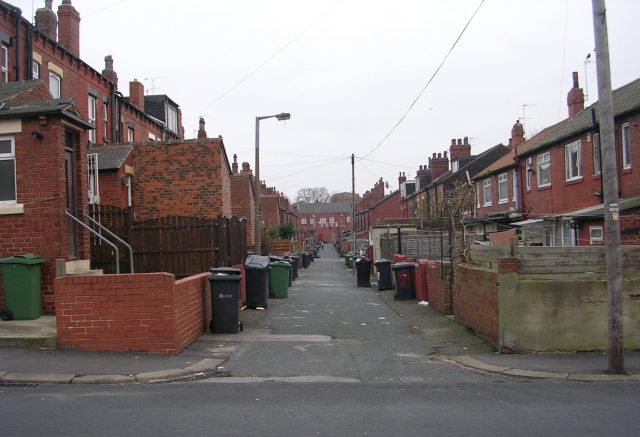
column 105, row 119
column 332, row 220
column 544, row 170
column 4, row 71
column 503, row 190
column 7, row 171
column 172, row 119
column 92, row 117
column 35, row 70
column 572, row 165
column 54, row 85
column 597, row 165
column 626, row 146
column 92, row 178
column 303, row 221
column 486, row 184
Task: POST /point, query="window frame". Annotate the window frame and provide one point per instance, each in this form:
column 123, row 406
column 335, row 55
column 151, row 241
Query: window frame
column 539, row 169
column 303, row 221
column 130, row 134
column 529, row 170
column 172, row 119
column 4, row 64
column 486, row 200
column 11, row 156
column 55, row 77
column 105, row 119
column 573, row 161
column 597, row 161
column 503, row 182
column 626, row 146
column 596, row 240
column 91, row 115
column 35, row 70
column 93, row 190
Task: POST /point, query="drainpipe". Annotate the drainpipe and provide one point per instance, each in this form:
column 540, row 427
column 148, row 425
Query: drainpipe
column 120, row 99
column 29, row 65
column 113, row 102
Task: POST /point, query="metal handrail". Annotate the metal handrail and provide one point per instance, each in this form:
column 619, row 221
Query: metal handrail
column 99, row 236
column 114, row 236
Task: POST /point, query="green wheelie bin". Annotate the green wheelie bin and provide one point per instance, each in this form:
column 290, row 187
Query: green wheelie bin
column 279, row 279
column 21, row 280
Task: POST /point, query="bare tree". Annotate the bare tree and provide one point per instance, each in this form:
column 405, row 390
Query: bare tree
column 314, row 195
column 458, row 202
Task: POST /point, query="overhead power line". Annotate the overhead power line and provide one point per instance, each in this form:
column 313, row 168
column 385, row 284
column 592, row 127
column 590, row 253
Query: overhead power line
column 427, row 85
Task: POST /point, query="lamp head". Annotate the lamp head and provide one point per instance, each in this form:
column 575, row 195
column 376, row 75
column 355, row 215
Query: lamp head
column 283, row 116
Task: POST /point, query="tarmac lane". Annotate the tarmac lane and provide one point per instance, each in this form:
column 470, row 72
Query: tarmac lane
column 329, row 328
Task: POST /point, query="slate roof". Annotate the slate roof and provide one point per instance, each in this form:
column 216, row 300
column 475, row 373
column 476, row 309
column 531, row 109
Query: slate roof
column 12, row 89
column 63, row 107
column 111, row 157
column 324, row 208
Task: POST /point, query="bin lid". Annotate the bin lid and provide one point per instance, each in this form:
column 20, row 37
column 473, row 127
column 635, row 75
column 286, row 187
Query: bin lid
column 363, row 259
column 280, row 264
column 273, row 258
column 257, row 262
column 225, row 271
column 382, row 261
column 402, row 265
column 230, row 278
column 27, row 258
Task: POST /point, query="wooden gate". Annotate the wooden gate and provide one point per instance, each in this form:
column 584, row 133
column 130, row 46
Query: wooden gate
column 183, row 246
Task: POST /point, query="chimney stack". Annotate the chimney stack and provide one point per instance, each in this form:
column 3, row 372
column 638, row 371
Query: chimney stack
column 69, row 27
column 439, row 165
column 47, row 20
column 234, row 166
column 575, row 98
column 246, row 168
column 136, row 94
column 401, row 179
column 517, row 135
column 108, row 71
column 460, row 149
column 203, row 134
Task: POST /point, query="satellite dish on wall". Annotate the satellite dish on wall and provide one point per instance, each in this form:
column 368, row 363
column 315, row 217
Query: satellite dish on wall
column 386, row 184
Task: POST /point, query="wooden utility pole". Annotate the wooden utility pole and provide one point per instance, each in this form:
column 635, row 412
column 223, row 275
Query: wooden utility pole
column 610, row 189
column 353, row 206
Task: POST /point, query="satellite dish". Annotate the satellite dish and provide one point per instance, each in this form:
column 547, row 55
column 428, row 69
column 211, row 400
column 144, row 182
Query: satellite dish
column 386, row 184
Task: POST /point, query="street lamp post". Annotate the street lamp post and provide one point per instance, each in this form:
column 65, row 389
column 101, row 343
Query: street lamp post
column 257, row 185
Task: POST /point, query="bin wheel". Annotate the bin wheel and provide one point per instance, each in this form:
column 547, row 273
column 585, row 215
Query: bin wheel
column 395, row 296
column 241, row 326
column 6, row 314
column 271, row 295
column 264, row 306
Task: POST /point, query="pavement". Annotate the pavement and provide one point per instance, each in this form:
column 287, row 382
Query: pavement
column 28, row 356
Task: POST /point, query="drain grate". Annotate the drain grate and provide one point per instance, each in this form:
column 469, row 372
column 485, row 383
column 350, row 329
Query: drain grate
column 18, row 384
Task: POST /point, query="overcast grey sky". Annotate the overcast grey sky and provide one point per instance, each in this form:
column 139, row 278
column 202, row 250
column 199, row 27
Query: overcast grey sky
column 348, row 70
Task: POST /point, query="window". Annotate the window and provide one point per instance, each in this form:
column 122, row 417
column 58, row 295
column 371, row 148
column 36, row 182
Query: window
column 514, row 180
column 348, row 219
column 129, row 190
column 486, row 184
column 7, row 171
column 92, row 178
column 312, row 220
column 323, row 219
column 105, row 118
column 572, row 165
column 152, row 137
column 172, row 119
column 544, row 170
column 626, row 146
column 92, row 118
column 332, row 220
column 303, row 221
column 478, row 191
column 597, row 165
column 595, row 235
column 129, row 134
column 503, row 190
column 54, row 85
column 4, row 73
column 35, row 70
column 529, row 171
column 455, row 164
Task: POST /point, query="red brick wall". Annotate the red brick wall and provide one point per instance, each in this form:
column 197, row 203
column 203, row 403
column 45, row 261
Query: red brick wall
column 439, row 289
column 141, row 312
column 242, row 202
column 630, row 228
column 187, row 178
column 475, row 298
column 270, row 209
column 42, row 228
column 390, row 208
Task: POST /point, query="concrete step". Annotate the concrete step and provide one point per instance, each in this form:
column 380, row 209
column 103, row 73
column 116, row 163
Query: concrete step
column 75, row 268
column 39, row 333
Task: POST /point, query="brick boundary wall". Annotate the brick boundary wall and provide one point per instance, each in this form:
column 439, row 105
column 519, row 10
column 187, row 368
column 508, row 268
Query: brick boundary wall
column 439, row 289
column 475, row 298
column 140, row 312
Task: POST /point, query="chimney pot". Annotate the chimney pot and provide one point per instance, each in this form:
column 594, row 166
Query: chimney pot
column 466, row 140
column 439, row 155
column 453, row 141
